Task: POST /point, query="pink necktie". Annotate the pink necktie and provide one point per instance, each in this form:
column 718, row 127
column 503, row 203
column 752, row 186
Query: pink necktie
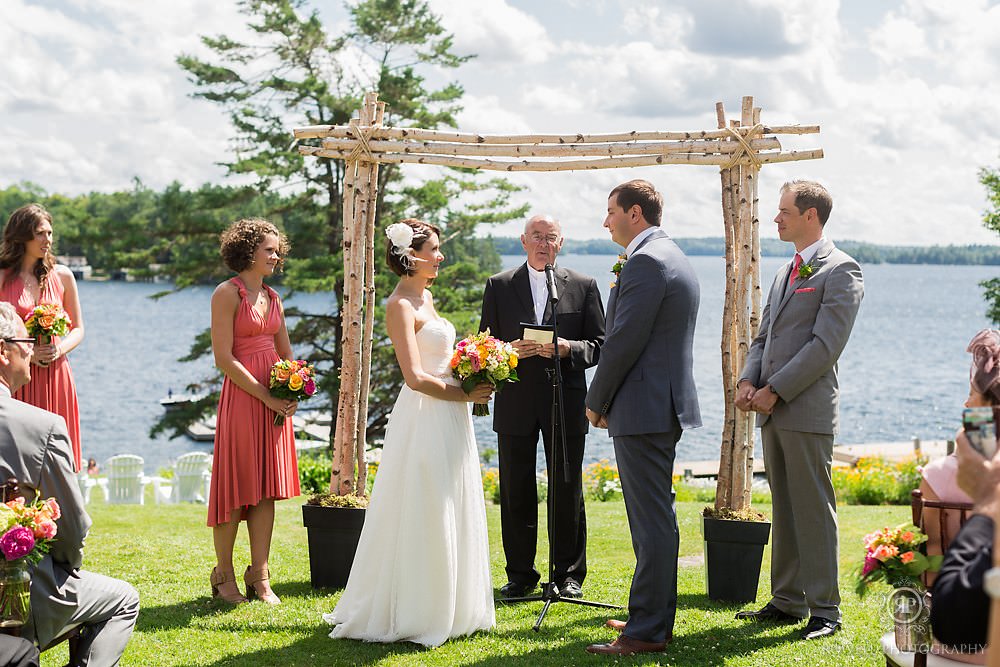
column 795, row 269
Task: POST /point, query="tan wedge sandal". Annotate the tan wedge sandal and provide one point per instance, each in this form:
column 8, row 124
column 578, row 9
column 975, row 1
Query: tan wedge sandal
column 217, row 579
column 252, row 577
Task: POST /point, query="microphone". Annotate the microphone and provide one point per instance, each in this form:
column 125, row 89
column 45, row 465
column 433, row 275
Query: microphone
column 550, row 282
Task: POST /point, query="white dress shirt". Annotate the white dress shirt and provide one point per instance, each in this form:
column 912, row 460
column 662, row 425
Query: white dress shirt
column 539, row 292
column 639, row 238
column 5, row 391
column 809, row 251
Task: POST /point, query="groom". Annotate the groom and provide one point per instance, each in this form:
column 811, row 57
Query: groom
column 644, row 393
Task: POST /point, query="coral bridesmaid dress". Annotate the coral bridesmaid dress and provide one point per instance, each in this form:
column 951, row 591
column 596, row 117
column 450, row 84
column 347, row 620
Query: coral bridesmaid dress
column 52, row 387
column 254, row 459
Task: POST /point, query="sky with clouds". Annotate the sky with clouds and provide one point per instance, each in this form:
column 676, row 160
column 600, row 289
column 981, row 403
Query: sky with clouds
column 907, row 93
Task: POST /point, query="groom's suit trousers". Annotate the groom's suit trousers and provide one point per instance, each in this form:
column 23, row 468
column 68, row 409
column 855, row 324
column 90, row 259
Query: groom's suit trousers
column 646, row 465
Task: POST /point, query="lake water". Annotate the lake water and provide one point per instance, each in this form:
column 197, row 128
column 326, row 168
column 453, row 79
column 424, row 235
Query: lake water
column 904, row 373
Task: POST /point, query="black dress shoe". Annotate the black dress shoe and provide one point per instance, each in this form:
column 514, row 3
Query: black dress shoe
column 817, row 628
column 512, row 589
column 768, row 614
column 570, row 589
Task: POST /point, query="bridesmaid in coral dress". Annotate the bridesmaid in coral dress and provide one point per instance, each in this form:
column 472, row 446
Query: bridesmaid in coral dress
column 254, row 462
column 29, row 276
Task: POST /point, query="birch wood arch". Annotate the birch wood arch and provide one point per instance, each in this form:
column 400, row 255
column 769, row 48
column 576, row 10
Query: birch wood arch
column 738, row 147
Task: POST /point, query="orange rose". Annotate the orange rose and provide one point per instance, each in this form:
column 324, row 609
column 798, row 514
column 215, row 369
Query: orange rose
column 282, row 373
column 907, row 557
column 46, row 321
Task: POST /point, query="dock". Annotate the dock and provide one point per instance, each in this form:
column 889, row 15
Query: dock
column 843, row 456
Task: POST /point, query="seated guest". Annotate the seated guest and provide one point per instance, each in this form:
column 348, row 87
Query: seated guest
column 939, row 481
column 35, row 450
column 960, row 607
column 17, row 652
column 92, row 468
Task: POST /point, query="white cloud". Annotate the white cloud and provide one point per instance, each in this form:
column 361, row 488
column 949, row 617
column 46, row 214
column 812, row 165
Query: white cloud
column 500, row 35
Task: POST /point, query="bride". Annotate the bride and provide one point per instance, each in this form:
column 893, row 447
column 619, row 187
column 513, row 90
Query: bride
column 422, row 570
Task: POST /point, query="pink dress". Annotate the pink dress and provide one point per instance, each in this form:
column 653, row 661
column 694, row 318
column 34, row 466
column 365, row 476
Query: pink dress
column 253, row 459
column 52, row 387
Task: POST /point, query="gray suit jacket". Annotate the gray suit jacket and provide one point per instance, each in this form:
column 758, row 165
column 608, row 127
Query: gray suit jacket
column 35, row 448
column 645, row 376
column 803, row 330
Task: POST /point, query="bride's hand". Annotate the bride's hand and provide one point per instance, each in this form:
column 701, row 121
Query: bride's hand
column 481, row 393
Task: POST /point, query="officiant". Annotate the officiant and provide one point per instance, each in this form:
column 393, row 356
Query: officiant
column 521, row 410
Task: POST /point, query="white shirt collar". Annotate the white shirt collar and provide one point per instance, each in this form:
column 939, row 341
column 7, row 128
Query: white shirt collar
column 5, row 390
column 534, row 273
column 810, row 250
column 639, row 238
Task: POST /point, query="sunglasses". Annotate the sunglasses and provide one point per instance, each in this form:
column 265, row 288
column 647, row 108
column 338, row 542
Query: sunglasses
column 29, row 341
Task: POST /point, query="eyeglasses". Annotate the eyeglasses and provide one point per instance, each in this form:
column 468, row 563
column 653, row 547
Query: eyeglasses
column 548, row 238
column 30, row 342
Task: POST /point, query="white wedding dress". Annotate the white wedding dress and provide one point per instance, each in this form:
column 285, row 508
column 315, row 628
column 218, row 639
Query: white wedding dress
column 422, row 569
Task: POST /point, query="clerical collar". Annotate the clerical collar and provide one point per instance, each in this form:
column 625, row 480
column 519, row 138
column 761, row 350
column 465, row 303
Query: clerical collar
column 535, row 273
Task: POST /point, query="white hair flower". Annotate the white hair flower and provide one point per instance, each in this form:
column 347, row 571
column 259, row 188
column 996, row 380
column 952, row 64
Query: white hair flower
column 401, row 236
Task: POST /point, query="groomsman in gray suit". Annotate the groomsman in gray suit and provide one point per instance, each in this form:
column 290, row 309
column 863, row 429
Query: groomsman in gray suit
column 35, row 450
column 790, row 379
column 644, row 393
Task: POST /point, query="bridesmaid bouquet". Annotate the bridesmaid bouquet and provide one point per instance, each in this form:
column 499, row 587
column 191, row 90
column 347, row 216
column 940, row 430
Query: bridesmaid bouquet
column 293, row 379
column 893, row 555
column 47, row 320
column 26, row 529
column 483, row 358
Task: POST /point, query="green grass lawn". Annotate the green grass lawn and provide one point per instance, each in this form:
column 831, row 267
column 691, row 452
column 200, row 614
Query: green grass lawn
column 166, row 552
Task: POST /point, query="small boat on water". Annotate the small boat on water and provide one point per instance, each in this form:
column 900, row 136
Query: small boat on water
column 173, row 401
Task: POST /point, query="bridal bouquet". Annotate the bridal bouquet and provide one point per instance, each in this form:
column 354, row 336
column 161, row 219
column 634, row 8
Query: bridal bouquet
column 47, row 320
column 293, row 379
column 483, row 358
column 892, row 555
column 26, row 529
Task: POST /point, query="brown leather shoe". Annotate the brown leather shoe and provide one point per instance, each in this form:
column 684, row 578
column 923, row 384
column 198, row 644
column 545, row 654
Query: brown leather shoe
column 625, row 645
column 615, row 624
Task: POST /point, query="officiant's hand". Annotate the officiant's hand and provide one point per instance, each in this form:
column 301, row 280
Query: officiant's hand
column 481, row 393
column 546, row 350
column 526, row 348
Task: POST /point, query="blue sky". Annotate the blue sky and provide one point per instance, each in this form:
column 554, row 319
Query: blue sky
column 906, row 91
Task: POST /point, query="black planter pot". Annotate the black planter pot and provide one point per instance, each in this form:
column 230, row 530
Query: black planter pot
column 734, row 551
column 333, row 540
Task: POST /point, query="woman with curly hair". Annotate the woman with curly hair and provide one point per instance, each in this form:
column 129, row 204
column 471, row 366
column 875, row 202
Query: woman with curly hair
column 29, row 276
column 254, row 460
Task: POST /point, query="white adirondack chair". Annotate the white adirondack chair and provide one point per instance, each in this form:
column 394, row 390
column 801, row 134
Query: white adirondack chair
column 191, row 481
column 86, row 484
column 126, row 483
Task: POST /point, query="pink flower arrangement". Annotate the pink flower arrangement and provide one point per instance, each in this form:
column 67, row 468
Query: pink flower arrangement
column 893, row 555
column 26, row 529
column 293, row 379
column 483, row 358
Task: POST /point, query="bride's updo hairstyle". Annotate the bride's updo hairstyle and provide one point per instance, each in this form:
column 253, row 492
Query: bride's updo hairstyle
column 240, row 240
column 404, row 237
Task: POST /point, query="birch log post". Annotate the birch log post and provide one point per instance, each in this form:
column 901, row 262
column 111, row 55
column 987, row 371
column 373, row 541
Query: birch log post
column 724, row 481
column 374, row 112
column 342, row 475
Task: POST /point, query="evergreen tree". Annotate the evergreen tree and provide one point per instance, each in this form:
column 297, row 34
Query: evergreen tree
column 990, row 178
column 293, row 73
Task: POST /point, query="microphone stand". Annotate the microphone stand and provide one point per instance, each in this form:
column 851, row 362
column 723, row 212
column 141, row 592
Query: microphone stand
column 550, row 591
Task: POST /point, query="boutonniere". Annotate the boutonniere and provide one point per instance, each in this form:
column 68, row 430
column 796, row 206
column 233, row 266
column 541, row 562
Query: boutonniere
column 806, row 270
column 617, row 268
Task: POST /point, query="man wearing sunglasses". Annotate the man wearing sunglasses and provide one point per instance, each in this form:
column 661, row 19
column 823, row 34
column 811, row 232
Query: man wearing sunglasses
column 35, row 450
